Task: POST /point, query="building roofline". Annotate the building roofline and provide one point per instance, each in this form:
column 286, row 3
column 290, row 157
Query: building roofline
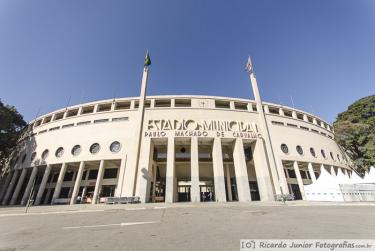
column 175, row 96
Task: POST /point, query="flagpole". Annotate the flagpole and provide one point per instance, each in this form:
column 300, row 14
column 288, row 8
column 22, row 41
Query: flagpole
column 141, row 110
column 265, row 131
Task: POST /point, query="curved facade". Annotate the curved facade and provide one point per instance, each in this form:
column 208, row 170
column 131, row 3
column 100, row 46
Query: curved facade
column 191, row 148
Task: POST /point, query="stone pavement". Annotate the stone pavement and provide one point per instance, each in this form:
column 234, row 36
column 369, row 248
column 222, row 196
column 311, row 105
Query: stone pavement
column 179, row 226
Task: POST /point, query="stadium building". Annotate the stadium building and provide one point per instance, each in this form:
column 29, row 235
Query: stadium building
column 170, row 149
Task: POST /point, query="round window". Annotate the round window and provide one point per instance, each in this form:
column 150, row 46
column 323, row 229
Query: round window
column 76, row 150
column 94, row 148
column 115, row 147
column 299, row 150
column 330, row 153
column 45, row 154
column 284, row 148
column 312, row 151
column 59, row 152
column 33, row 155
column 323, row 153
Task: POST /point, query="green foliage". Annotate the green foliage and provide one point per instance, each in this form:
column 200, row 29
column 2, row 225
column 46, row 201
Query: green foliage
column 355, row 131
column 11, row 124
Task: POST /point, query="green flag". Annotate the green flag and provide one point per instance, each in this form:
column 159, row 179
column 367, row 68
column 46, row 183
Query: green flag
column 147, row 59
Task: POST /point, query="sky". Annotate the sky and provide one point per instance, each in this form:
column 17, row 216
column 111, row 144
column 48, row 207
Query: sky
column 320, row 53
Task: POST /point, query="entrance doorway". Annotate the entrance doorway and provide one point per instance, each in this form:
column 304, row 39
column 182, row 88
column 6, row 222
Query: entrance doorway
column 296, row 191
column 207, row 193
column 183, row 193
column 254, row 190
column 159, row 194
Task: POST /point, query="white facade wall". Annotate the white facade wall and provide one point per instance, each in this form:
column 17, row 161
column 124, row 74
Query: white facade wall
column 129, row 182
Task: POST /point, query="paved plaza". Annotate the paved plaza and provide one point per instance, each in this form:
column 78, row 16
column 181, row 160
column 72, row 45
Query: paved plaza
column 181, row 226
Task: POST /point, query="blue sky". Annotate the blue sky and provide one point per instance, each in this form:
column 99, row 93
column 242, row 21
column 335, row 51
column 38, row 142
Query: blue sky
column 320, row 52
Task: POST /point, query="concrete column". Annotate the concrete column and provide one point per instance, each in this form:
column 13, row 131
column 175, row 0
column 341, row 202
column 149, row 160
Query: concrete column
column 250, row 107
column 18, row 187
column 218, row 168
column 305, row 118
column 98, row 183
column 332, row 170
column 144, row 170
column 121, row 178
column 266, row 109
column 152, row 103
column 299, row 179
column 10, row 187
column 281, row 111
column 294, row 114
column 5, row 185
column 96, row 108
column 49, row 190
column 194, row 162
column 29, row 186
column 169, row 187
column 84, row 192
column 59, row 182
column 154, row 168
column 262, row 172
column 311, row 171
column 71, row 188
column 231, row 105
column 70, row 191
column 282, row 179
column 229, row 187
column 175, row 189
column 73, row 198
column 42, row 185
column 242, row 178
column 137, row 134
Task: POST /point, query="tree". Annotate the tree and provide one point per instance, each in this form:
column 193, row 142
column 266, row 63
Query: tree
column 11, row 125
column 355, row 131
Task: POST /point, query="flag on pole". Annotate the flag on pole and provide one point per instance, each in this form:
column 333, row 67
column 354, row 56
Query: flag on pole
column 249, row 65
column 147, row 59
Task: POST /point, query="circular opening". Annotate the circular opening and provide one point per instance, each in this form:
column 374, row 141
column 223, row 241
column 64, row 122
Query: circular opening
column 323, row 153
column 183, row 149
column 94, row 148
column 45, row 154
column 59, row 152
column 76, row 150
column 115, row 147
column 284, row 148
column 299, row 150
column 312, row 151
column 330, row 153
